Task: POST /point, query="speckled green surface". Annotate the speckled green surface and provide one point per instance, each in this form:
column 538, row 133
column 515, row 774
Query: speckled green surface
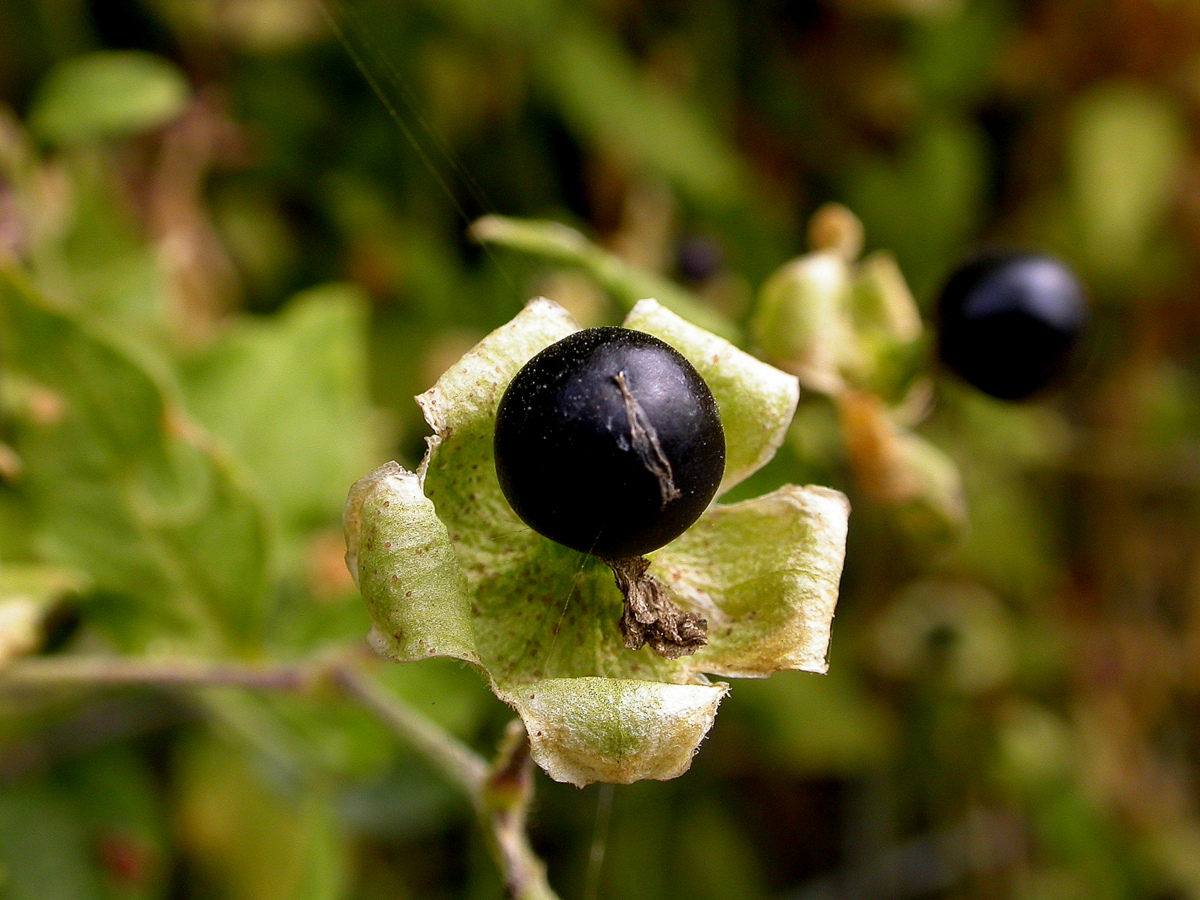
column 409, row 576
column 765, row 572
column 605, row 729
column 474, row 582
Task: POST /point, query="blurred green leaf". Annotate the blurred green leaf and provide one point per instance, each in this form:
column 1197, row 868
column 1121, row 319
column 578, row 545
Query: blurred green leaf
column 960, row 630
column 627, row 284
column 999, row 447
column 107, row 94
column 642, row 845
column 1033, row 748
column 103, row 262
column 602, row 94
column 717, row 858
column 44, row 850
column 258, row 235
column 954, row 51
column 818, row 726
column 407, row 257
column 934, row 513
column 900, row 468
column 115, row 793
column 1076, row 834
column 521, row 21
column 606, row 98
column 923, row 203
column 288, row 394
column 300, row 741
column 1126, row 149
column 253, row 838
column 126, row 489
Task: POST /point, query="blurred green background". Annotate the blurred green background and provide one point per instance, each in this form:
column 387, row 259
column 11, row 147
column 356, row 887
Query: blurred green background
column 254, row 215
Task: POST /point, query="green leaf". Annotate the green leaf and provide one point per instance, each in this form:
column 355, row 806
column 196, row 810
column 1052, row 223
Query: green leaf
column 627, row 284
column 107, row 94
column 544, row 617
column 604, row 97
column 1126, row 150
column 126, row 490
column 225, row 808
column 288, row 395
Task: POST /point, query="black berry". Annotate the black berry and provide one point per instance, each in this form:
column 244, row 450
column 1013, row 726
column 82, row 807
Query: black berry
column 609, row 442
column 1009, row 320
column 697, row 259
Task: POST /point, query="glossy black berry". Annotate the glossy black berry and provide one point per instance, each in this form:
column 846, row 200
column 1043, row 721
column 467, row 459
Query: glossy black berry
column 1009, row 320
column 609, row 442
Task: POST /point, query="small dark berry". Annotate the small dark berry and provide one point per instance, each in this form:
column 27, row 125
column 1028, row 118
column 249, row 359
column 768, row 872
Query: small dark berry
column 609, row 442
column 698, row 259
column 1009, row 321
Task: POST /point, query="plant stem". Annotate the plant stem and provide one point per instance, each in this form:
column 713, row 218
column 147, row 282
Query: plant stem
column 499, row 793
column 627, row 284
column 504, row 809
column 457, row 762
column 44, row 673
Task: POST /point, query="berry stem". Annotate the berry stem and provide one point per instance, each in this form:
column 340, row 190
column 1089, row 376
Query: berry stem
column 651, row 616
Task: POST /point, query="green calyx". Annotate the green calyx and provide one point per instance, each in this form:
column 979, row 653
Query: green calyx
column 447, row 569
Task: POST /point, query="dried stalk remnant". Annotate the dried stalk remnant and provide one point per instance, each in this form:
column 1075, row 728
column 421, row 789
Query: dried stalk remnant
column 651, row 616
